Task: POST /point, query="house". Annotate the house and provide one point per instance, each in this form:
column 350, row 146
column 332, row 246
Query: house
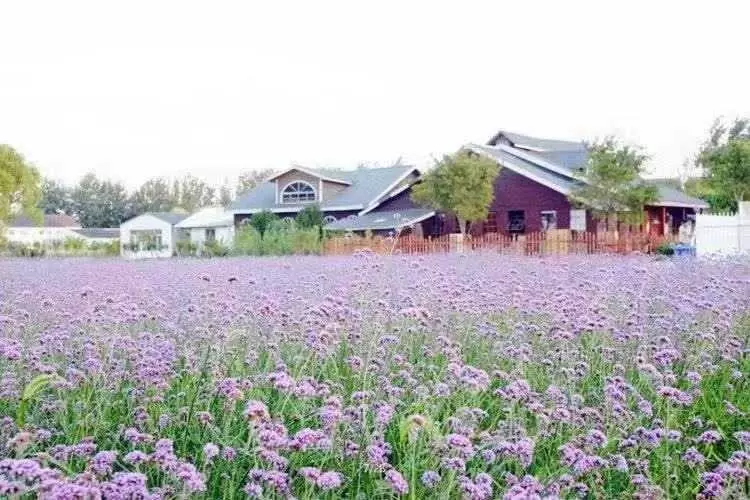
column 537, row 175
column 52, row 228
column 530, row 194
column 212, row 224
column 375, row 199
column 152, row 234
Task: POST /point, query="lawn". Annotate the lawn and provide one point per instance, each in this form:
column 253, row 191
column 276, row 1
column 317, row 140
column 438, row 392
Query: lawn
column 448, row 376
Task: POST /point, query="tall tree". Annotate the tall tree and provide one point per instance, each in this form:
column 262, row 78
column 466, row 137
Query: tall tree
column 56, row 198
column 100, row 203
column 250, row 180
column 19, row 185
column 725, row 162
column 194, row 193
column 612, row 184
column 461, row 184
column 154, row 195
column 225, row 195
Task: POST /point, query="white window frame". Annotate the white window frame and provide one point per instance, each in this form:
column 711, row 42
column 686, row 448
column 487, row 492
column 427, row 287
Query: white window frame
column 297, row 201
column 548, row 212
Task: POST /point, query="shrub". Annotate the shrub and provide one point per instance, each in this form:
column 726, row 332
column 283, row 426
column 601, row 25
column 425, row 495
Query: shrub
column 215, row 249
column 664, row 249
column 262, row 221
column 281, row 239
column 186, row 248
column 310, row 217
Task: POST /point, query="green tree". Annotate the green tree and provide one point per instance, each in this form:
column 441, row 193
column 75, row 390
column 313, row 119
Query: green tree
column 461, row 184
column 611, row 185
column 700, row 187
column 100, row 203
column 251, row 179
column 19, row 185
column 154, row 195
column 225, row 195
column 56, row 198
column 194, row 193
column 263, row 221
column 725, row 160
column 309, row 217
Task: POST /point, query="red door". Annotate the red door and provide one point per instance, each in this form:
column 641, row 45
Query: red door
column 655, row 221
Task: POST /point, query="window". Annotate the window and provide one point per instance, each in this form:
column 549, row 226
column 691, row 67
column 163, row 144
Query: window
column 549, row 220
column 329, row 219
column 516, row 221
column 490, row 225
column 146, row 239
column 298, row 192
column 210, row 235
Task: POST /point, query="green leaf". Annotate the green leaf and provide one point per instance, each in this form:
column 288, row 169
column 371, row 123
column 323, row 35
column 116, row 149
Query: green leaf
column 39, row 384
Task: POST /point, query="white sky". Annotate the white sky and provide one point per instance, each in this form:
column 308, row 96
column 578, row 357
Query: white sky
column 213, row 88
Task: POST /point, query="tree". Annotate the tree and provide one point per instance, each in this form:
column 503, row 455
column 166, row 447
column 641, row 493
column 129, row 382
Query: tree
column 19, row 185
column 99, row 203
column 194, row 193
column 56, row 198
column 154, row 195
column 461, row 184
column 263, row 221
column 250, row 180
column 309, row 217
column 725, row 160
column 225, row 195
column 700, row 187
column 611, row 185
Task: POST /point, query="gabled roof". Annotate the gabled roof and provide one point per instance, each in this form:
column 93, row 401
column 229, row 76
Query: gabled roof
column 49, row 220
column 98, row 232
column 169, row 217
column 557, row 181
column 521, row 141
column 208, row 217
column 670, row 196
column 366, row 186
column 320, row 174
column 381, row 221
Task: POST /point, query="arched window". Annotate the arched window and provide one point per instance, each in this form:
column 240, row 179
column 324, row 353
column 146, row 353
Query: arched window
column 329, row 218
column 297, row 192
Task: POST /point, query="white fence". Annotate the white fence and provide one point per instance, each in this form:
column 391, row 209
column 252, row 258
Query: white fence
column 723, row 234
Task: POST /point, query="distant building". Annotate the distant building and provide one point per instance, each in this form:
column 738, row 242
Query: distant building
column 152, row 234
column 212, row 224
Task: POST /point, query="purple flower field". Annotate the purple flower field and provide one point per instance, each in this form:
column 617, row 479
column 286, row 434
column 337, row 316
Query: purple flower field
column 446, row 376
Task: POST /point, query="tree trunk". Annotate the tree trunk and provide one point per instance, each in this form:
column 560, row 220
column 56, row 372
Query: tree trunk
column 462, row 223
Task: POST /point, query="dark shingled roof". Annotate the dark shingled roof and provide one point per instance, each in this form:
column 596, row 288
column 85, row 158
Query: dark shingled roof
column 366, row 184
column 98, row 232
column 170, row 217
column 50, row 220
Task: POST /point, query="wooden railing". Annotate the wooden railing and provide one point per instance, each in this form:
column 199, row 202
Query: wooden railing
column 558, row 242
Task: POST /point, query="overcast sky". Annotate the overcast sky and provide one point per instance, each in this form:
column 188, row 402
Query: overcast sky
column 214, row 88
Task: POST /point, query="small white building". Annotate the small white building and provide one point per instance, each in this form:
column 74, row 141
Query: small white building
column 212, row 224
column 151, row 234
column 53, row 228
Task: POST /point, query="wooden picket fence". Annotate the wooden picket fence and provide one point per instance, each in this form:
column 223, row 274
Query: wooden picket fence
column 558, row 242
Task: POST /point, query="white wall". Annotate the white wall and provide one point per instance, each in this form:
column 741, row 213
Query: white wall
column 224, row 235
column 42, row 235
column 723, row 234
column 148, row 222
